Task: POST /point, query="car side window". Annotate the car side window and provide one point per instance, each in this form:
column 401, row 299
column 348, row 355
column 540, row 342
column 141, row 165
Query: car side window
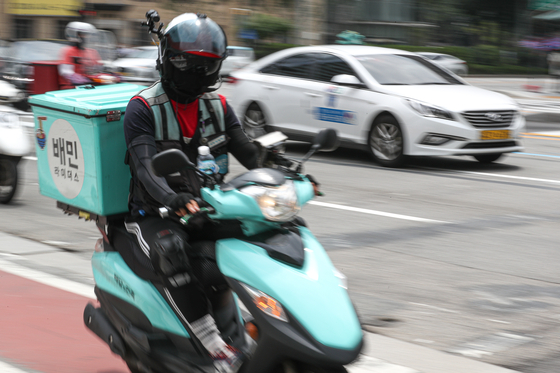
column 327, row 65
column 298, row 66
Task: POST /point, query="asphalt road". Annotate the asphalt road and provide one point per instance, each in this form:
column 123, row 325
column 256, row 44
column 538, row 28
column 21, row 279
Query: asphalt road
column 445, row 253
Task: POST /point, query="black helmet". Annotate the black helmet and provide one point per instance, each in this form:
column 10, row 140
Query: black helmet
column 192, row 50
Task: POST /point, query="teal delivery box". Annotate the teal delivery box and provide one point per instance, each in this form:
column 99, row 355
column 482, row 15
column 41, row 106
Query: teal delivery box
column 80, row 145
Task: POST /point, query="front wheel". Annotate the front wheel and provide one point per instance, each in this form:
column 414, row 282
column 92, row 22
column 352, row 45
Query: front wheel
column 8, row 179
column 293, row 367
column 313, row 369
column 254, row 121
column 386, row 142
column 488, row 158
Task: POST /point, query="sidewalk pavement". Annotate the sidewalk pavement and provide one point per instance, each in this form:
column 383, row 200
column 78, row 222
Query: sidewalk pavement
column 49, row 264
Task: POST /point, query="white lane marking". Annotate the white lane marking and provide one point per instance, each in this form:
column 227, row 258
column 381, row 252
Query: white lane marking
column 47, row 279
column 555, row 133
column 6, row 368
column 499, row 321
column 434, row 307
column 374, row 212
column 368, row 364
column 56, row 243
column 510, row 177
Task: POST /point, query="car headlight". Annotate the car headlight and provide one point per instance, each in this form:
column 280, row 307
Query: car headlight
column 428, row 110
column 9, row 120
column 266, row 303
column 276, row 203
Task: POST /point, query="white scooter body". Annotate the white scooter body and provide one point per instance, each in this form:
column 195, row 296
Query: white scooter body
column 14, row 141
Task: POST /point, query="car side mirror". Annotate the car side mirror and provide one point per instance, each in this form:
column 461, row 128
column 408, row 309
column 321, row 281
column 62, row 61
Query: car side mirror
column 326, row 141
column 347, row 80
column 170, row 161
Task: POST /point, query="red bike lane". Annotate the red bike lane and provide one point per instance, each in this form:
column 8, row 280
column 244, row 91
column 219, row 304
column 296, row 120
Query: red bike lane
column 42, row 329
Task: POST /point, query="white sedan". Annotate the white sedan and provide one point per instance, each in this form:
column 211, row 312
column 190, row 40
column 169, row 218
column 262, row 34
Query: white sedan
column 137, row 67
column 390, row 102
column 451, row 63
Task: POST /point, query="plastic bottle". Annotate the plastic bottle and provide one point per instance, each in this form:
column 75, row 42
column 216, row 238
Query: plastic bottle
column 206, row 162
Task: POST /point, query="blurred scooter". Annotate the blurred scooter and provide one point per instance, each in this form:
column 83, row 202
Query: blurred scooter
column 14, row 144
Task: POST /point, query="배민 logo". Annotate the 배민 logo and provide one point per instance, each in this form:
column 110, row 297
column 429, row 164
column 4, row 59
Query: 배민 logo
column 494, row 117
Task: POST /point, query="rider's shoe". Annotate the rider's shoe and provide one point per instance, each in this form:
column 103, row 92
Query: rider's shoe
column 228, row 361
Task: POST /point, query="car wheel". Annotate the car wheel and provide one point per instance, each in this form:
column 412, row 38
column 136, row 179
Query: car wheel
column 254, row 121
column 8, row 179
column 488, row 158
column 22, row 105
column 386, row 142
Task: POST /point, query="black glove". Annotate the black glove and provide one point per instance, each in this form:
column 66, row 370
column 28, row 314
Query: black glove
column 178, row 201
column 315, row 185
column 312, row 179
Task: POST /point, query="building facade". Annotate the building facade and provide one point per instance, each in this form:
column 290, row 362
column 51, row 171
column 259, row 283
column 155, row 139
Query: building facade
column 46, row 19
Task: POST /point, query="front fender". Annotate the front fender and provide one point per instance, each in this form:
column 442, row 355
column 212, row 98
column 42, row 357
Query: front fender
column 312, row 294
column 14, row 142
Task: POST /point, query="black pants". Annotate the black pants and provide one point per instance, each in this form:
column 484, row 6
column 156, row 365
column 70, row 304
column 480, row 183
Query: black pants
column 188, row 300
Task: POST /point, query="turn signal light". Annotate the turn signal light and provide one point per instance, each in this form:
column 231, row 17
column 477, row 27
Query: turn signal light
column 252, row 330
column 266, row 303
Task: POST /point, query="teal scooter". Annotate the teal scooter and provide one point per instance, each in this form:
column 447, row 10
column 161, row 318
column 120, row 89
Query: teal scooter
column 275, row 294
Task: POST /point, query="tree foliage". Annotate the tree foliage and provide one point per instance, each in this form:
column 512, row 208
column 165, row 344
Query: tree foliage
column 268, row 26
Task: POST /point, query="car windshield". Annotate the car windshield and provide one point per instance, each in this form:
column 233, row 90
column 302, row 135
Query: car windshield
column 144, row 53
column 35, row 51
column 397, row 69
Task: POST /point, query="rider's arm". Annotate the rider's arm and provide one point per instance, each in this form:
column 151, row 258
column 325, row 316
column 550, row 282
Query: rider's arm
column 141, row 144
column 66, row 67
column 239, row 145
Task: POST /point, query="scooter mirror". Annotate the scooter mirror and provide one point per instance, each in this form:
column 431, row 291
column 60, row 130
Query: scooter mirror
column 169, row 162
column 326, row 140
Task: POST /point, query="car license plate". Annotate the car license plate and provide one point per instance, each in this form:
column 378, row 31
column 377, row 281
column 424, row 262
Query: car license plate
column 495, row 135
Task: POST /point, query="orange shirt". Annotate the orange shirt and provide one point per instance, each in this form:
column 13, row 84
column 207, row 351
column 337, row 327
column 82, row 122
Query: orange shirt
column 85, row 61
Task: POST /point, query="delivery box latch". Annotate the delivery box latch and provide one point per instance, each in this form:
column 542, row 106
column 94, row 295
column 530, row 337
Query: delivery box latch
column 113, row 116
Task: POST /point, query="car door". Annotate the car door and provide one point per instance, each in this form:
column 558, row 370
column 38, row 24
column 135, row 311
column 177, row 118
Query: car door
column 343, row 108
column 283, row 93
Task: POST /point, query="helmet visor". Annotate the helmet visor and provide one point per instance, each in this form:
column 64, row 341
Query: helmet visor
column 188, row 61
column 190, row 33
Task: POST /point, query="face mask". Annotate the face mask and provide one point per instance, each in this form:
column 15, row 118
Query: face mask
column 192, row 82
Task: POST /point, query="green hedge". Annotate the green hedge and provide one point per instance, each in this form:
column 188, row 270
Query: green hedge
column 262, row 50
column 487, row 59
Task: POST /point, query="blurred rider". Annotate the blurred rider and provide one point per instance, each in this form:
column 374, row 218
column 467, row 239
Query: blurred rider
column 181, row 111
column 79, row 62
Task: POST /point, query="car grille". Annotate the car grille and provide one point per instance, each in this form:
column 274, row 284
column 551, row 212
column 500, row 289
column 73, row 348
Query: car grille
column 494, row 119
column 490, row 145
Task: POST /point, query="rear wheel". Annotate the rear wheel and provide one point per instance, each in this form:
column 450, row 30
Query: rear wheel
column 488, row 158
column 386, row 142
column 8, row 179
column 254, row 121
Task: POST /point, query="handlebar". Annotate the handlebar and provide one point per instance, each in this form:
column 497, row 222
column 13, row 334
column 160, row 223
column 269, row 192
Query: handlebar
column 205, row 209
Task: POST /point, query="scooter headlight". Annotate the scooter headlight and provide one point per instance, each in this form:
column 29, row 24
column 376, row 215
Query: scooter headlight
column 276, row 203
column 266, row 303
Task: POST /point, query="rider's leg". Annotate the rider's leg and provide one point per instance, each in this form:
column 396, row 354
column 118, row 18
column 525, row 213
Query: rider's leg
column 164, row 243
